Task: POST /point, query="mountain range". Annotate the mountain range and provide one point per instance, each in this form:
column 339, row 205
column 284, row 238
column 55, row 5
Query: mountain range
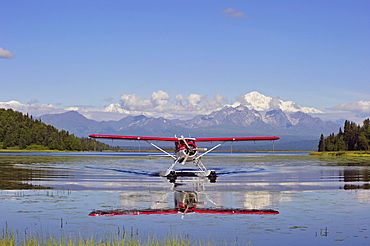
column 228, row 121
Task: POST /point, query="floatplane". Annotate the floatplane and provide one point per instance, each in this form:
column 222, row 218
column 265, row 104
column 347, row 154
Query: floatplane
column 186, row 151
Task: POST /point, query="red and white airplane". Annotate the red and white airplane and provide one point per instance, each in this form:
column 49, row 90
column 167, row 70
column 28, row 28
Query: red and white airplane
column 186, row 150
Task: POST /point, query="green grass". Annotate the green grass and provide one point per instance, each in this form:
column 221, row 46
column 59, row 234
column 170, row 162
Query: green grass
column 8, row 238
column 343, row 153
column 12, row 240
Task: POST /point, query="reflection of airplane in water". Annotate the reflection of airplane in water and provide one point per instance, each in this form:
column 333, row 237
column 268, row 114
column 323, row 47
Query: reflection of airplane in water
column 186, row 150
column 186, row 201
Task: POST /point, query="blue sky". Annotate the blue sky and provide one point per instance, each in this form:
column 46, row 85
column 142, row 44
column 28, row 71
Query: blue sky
column 90, row 54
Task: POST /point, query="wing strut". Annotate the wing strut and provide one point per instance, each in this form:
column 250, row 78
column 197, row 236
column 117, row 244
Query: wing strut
column 168, row 171
column 218, row 145
column 152, row 144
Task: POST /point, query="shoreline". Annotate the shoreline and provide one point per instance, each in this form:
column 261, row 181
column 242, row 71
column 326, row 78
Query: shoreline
column 364, row 153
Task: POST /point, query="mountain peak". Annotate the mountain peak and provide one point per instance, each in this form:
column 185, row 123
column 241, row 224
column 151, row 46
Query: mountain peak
column 257, row 101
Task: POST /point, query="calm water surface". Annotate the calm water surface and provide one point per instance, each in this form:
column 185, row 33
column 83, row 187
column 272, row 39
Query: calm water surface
column 320, row 201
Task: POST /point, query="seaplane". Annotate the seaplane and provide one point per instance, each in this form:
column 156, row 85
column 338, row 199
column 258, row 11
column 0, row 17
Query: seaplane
column 186, row 151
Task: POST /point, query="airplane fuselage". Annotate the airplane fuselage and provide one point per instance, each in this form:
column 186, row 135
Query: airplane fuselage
column 185, row 150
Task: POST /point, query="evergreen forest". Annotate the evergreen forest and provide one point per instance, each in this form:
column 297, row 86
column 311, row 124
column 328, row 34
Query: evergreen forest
column 19, row 131
column 352, row 137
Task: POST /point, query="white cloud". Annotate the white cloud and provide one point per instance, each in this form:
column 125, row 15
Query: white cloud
column 232, row 13
column 160, row 105
column 72, row 109
column 361, row 108
column 31, row 108
column 159, row 100
column 133, row 102
column 192, row 102
column 36, row 110
column 6, row 53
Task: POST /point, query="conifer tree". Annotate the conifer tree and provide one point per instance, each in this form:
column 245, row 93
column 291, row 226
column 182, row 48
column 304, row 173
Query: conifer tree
column 22, row 131
column 353, row 137
column 321, row 146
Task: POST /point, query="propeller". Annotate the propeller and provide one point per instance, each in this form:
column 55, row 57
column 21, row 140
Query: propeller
column 187, row 152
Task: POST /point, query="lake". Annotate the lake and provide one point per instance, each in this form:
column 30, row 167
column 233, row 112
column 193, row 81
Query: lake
column 257, row 199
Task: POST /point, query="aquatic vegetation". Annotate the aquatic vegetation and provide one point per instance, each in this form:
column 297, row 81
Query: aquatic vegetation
column 13, row 238
column 342, row 153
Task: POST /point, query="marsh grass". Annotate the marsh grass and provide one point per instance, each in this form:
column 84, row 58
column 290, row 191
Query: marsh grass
column 364, row 153
column 14, row 238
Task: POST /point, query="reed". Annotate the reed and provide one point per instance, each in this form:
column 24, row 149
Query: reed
column 11, row 238
column 365, row 153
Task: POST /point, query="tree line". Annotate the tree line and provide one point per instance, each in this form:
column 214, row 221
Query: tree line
column 352, row 137
column 23, row 132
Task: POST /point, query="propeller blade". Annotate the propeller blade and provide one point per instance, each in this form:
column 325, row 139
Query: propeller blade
column 186, row 143
column 188, row 150
column 186, row 157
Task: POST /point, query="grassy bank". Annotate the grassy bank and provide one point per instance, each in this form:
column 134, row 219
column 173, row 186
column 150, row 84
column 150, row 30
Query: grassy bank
column 342, row 153
column 14, row 239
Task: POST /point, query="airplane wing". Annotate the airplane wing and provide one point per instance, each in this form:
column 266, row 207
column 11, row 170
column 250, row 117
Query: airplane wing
column 174, row 139
column 134, row 137
column 235, row 139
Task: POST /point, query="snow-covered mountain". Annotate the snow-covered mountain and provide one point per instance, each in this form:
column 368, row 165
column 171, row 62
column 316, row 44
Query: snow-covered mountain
column 116, row 108
column 256, row 101
column 273, row 121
